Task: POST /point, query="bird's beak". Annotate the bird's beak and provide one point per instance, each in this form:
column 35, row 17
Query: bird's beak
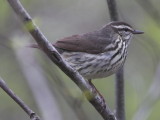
column 137, row 32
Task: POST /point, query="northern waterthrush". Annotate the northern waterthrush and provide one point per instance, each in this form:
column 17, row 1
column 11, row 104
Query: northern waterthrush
column 99, row 53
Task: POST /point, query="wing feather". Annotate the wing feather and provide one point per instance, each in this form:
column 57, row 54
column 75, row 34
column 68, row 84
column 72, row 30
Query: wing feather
column 83, row 43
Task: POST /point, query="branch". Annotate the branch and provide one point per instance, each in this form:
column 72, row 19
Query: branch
column 120, row 95
column 91, row 94
column 44, row 98
column 120, row 103
column 112, row 10
column 73, row 102
column 31, row 114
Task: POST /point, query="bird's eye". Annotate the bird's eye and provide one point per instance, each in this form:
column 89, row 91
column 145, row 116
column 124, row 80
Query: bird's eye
column 126, row 30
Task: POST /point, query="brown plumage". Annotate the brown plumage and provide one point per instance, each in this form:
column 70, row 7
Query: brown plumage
column 93, row 42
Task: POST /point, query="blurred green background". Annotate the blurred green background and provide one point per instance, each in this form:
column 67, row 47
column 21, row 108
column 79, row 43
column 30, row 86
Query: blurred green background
column 61, row 18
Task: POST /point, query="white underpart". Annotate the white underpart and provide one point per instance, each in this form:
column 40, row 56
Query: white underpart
column 127, row 37
column 101, row 66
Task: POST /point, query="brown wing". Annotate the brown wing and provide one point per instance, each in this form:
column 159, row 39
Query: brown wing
column 83, row 43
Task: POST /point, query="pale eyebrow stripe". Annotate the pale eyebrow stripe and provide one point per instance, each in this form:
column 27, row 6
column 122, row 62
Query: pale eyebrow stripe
column 123, row 27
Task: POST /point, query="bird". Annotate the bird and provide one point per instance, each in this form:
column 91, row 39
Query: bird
column 99, row 53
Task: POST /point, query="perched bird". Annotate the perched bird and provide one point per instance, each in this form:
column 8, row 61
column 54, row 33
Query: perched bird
column 99, row 53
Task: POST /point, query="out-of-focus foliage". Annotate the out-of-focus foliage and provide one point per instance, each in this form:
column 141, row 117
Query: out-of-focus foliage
column 61, row 18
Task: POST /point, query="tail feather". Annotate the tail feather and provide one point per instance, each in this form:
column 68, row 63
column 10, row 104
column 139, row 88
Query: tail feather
column 36, row 46
column 33, row 46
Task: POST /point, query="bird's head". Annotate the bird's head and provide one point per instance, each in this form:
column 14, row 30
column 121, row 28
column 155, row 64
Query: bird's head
column 125, row 30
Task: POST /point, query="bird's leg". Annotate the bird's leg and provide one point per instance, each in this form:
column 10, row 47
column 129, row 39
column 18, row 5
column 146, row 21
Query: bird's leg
column 95, row 89
column 90, row 82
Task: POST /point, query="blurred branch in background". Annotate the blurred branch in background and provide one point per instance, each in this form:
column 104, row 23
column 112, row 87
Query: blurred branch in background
column 31, row 114
column 4, row 41
column 112, row 7
column 152, row 96
column 151, row 46
column 91, row 94
column 150, row 10
column 120, row 96
column 74, row 103
column 45, row 99
column 119, row 83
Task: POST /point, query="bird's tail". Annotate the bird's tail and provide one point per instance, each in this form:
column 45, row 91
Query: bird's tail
column 33, row 46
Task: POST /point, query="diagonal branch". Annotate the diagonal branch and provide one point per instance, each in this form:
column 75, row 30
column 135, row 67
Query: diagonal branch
column 44, row 98
column 74, row 103
column 32, row 114
column 119, row 84
column 91, row 94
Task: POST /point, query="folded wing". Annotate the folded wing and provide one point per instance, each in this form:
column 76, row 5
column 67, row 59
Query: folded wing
column 83, row 43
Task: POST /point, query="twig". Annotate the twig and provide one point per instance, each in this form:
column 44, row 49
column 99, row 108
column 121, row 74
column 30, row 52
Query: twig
column 31, row 114
column 120, row 103
column 37, row 82
column 66, row 94
column 93, row 96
